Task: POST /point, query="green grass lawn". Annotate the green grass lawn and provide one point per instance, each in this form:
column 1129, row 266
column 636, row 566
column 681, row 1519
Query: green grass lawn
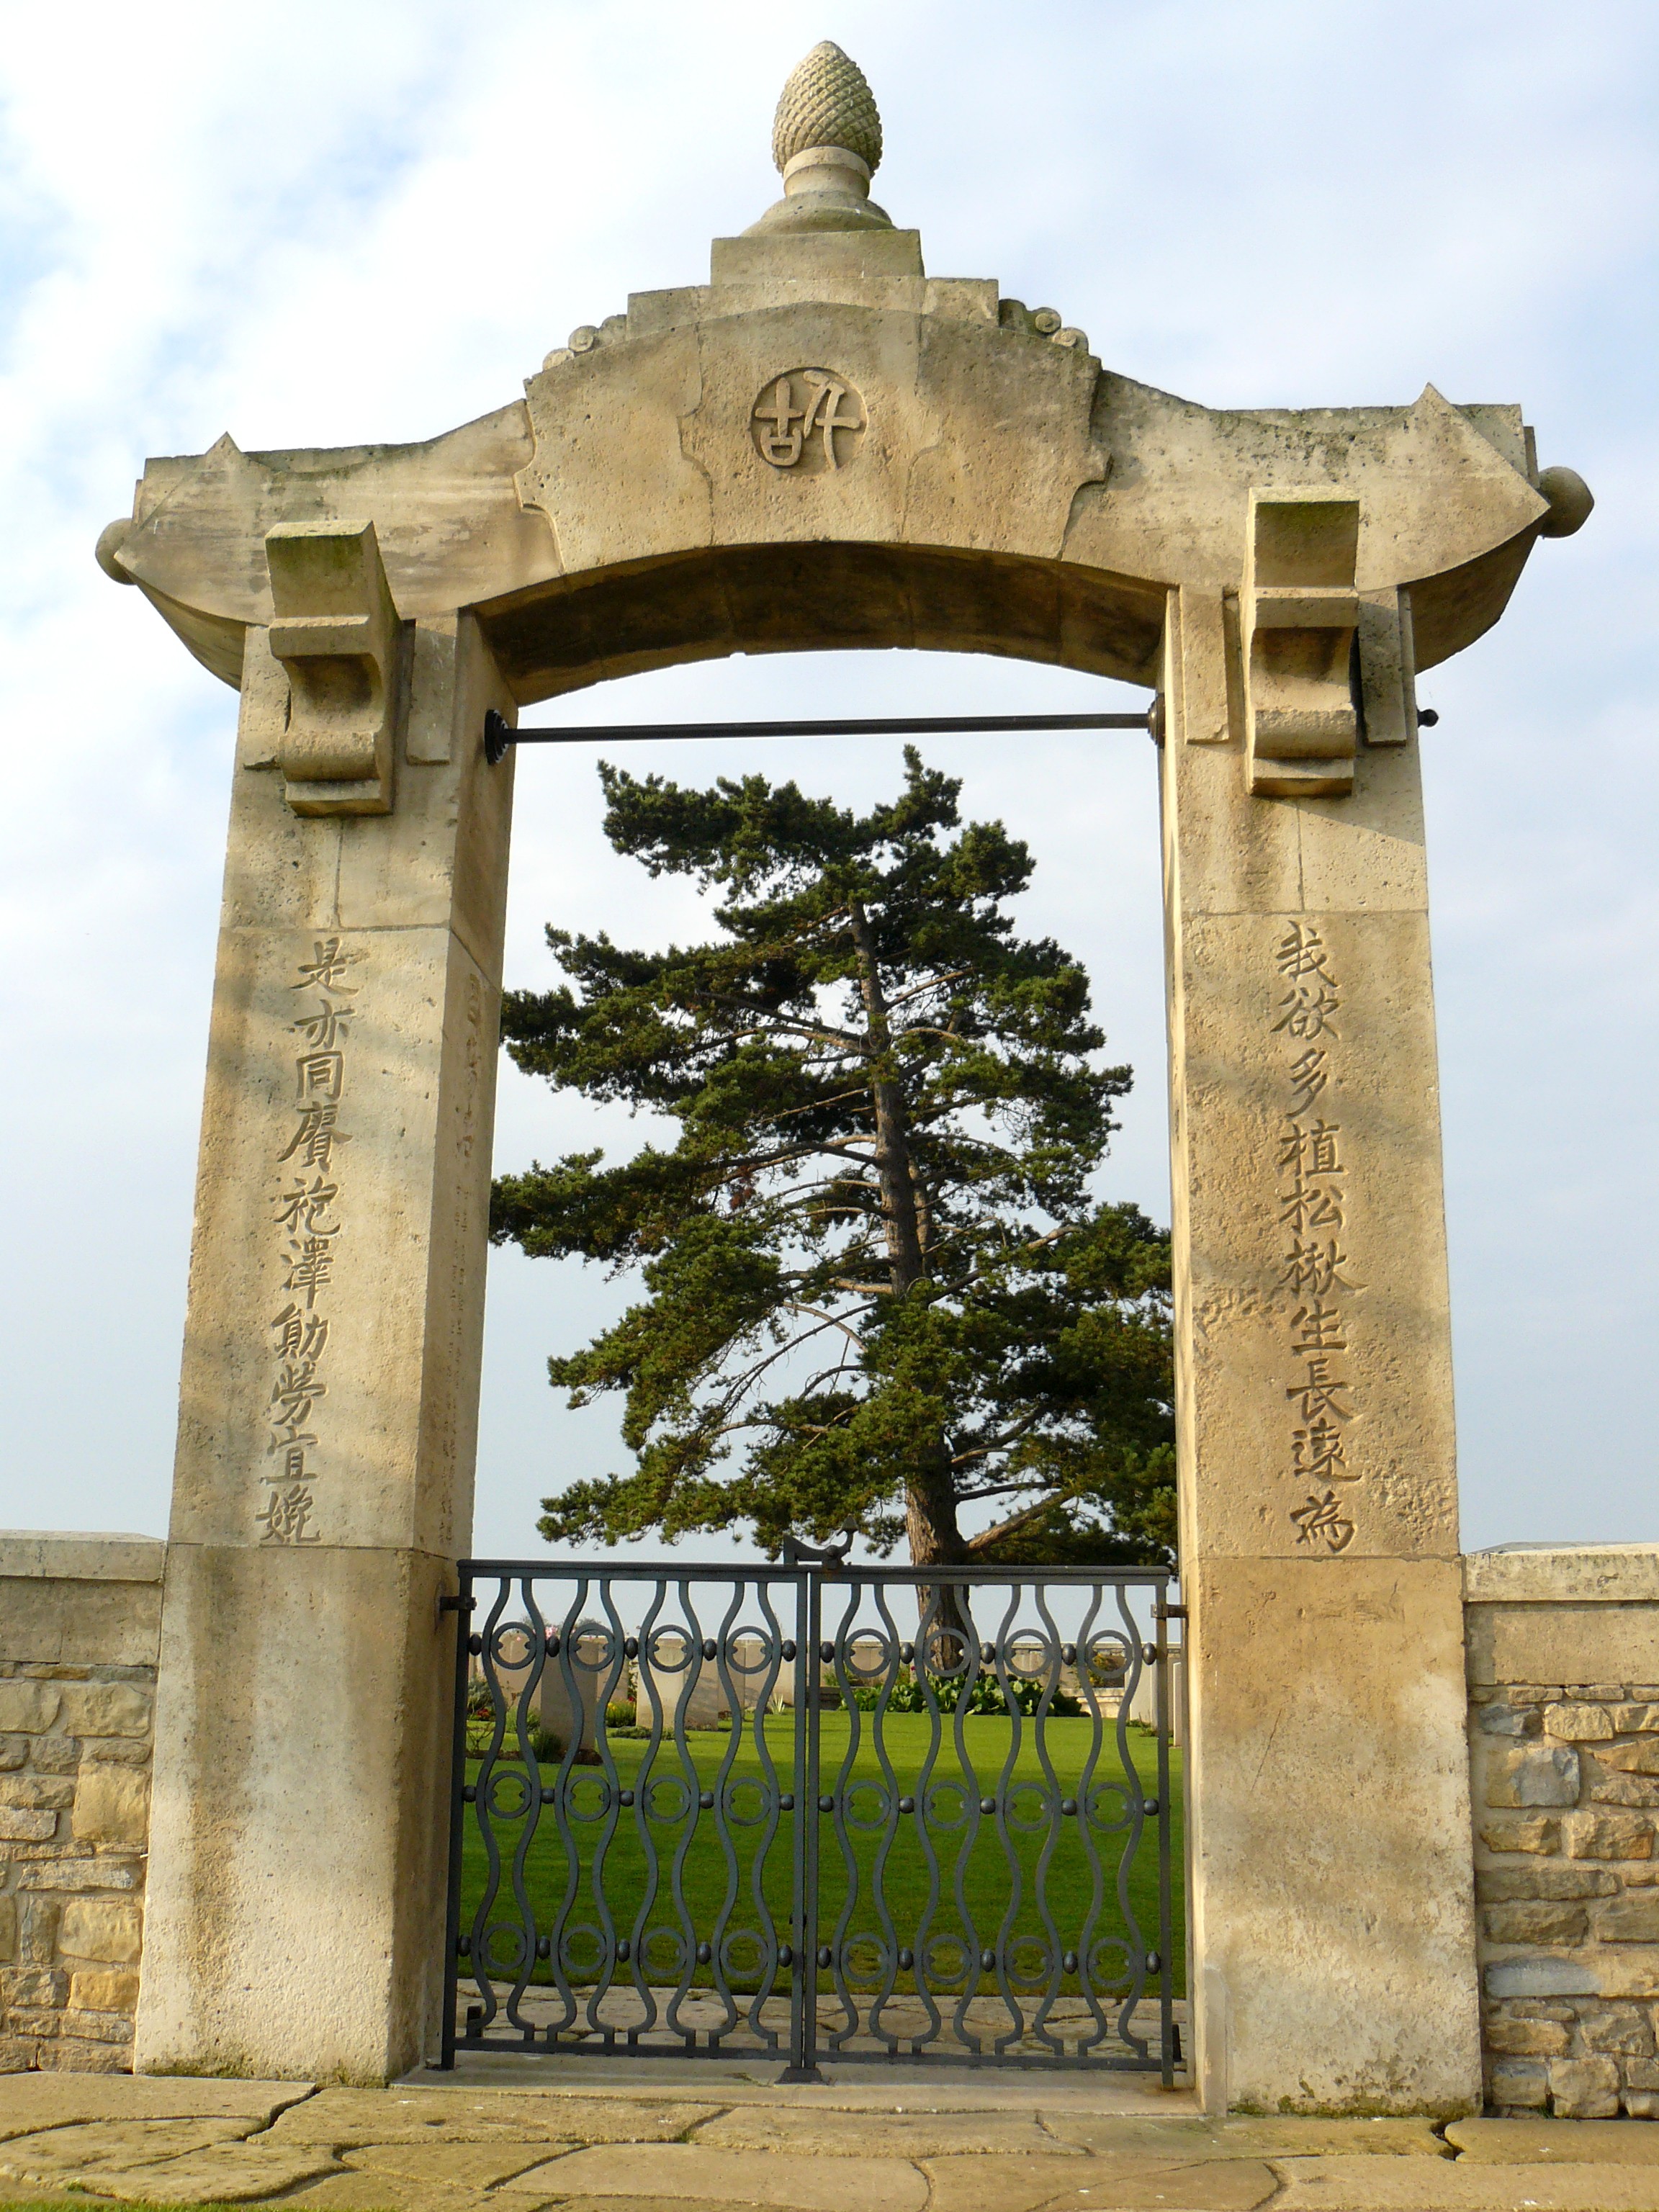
column 872, row 1886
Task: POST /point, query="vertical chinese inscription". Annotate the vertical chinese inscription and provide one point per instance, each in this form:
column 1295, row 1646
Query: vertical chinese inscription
column 1312, row 1204
column 473, row 1067
column 308, row 1223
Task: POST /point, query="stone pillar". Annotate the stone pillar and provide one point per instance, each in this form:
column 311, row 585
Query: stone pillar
column 1333, row 1929
column 324, row 1478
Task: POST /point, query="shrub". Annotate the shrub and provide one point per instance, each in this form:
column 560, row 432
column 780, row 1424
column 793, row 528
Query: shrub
column 985, row 1695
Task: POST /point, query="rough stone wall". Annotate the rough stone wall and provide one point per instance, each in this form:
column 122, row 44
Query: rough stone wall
column 1565, row 1772
column 77, row 1687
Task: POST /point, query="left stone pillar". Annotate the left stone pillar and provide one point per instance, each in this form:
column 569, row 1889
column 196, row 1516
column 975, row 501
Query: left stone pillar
column 323, row 1487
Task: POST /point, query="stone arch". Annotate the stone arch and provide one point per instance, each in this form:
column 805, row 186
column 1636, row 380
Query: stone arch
column 821, row 596
column 824, row 446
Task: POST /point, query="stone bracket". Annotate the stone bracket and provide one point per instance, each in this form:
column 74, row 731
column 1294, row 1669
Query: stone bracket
column 336, row 632
column 1387, row 667
column 1300, row 614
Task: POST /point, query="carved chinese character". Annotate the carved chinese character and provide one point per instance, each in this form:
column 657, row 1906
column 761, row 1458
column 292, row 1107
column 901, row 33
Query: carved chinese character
column 321, row 1075
column 315, row 1138
column 1318, row 1327
column 1306, row 1009
column 286, row 1515
column 310, row 1265
column 1317, row 1391
column 1317, row 1453
column 1323, row 1517
column 299, row 1335
column 1308, row 1077
column 797, row 418
column 1310, row 1148
column 1315, row 1269
column 1311, row 1205
column 1301, row 952
column 326, row 971
column 303, row 1207
column 781, row 443
column 294, row 1393
column 325, row 1027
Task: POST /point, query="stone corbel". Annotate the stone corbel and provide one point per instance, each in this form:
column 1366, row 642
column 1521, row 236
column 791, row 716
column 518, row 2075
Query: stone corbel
column 1387, row 666
column 337, row 634
column 1300, row 615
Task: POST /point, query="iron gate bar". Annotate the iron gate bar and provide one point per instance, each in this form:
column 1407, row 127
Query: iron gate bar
column 561, row 1642
column 499, row 734
column 1169, row 2043
column 803, row 1983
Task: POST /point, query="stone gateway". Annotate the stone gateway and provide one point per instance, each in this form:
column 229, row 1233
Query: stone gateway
column 825, row 447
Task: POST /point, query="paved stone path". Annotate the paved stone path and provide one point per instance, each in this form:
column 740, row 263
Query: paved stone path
column 709, row 2139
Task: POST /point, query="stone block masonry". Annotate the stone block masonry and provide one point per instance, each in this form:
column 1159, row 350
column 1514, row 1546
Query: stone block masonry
column 80, row 1625
column 1564, row 1745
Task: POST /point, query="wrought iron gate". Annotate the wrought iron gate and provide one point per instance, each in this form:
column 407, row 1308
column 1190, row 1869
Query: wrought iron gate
column 736, row 1811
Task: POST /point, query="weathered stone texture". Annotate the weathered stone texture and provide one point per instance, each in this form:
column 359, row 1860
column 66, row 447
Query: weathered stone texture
column 1006, row 495
column 1569, row 1908
column 1535, row 1775
column 74, row 1795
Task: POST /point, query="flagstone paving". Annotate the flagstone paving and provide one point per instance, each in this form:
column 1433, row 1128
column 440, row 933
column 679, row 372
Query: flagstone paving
column 728, row 2140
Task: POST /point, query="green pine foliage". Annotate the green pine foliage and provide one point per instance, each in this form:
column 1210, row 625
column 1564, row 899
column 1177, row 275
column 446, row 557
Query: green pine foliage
column 878, row 1288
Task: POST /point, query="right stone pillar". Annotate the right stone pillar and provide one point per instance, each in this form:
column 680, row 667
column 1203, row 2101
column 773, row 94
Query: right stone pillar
column 1332, row 1912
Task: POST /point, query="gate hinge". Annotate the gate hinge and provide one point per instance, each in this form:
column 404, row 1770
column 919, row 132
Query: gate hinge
column 1169, row 1613
column 456, row 1603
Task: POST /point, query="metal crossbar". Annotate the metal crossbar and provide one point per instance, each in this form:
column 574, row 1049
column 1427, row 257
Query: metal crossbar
column 499, row 732
column 816, row 1836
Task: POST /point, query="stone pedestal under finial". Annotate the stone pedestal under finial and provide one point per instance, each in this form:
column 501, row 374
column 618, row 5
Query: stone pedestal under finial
column 826, row 141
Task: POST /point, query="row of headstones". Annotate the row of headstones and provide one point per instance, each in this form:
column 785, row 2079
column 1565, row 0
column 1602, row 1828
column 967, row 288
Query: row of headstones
column 667, row 1687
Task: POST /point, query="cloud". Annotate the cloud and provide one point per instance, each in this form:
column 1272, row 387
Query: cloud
column 369, row 220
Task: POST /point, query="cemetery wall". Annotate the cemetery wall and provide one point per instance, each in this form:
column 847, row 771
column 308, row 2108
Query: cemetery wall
column 80, row 1628
column 1562, row 1663
column 1563, row 1650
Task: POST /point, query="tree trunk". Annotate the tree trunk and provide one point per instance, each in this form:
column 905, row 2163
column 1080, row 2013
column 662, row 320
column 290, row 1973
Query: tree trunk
column 930, row 1513
column 901, row 1213
column 930, row 1498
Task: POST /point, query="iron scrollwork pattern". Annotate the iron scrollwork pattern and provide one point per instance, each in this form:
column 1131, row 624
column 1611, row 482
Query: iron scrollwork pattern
column 746, row 1812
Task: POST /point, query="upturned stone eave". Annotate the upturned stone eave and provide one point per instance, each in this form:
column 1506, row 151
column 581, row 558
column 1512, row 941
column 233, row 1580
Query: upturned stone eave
column 1156, row 496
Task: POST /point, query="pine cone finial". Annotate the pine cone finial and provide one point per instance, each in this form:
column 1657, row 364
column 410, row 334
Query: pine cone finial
column 827, row 102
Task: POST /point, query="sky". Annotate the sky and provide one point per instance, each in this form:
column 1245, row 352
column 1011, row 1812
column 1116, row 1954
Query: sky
column 324, row 225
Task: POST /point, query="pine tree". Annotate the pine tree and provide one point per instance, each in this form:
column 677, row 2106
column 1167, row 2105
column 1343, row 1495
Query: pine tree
column 879, row 1290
